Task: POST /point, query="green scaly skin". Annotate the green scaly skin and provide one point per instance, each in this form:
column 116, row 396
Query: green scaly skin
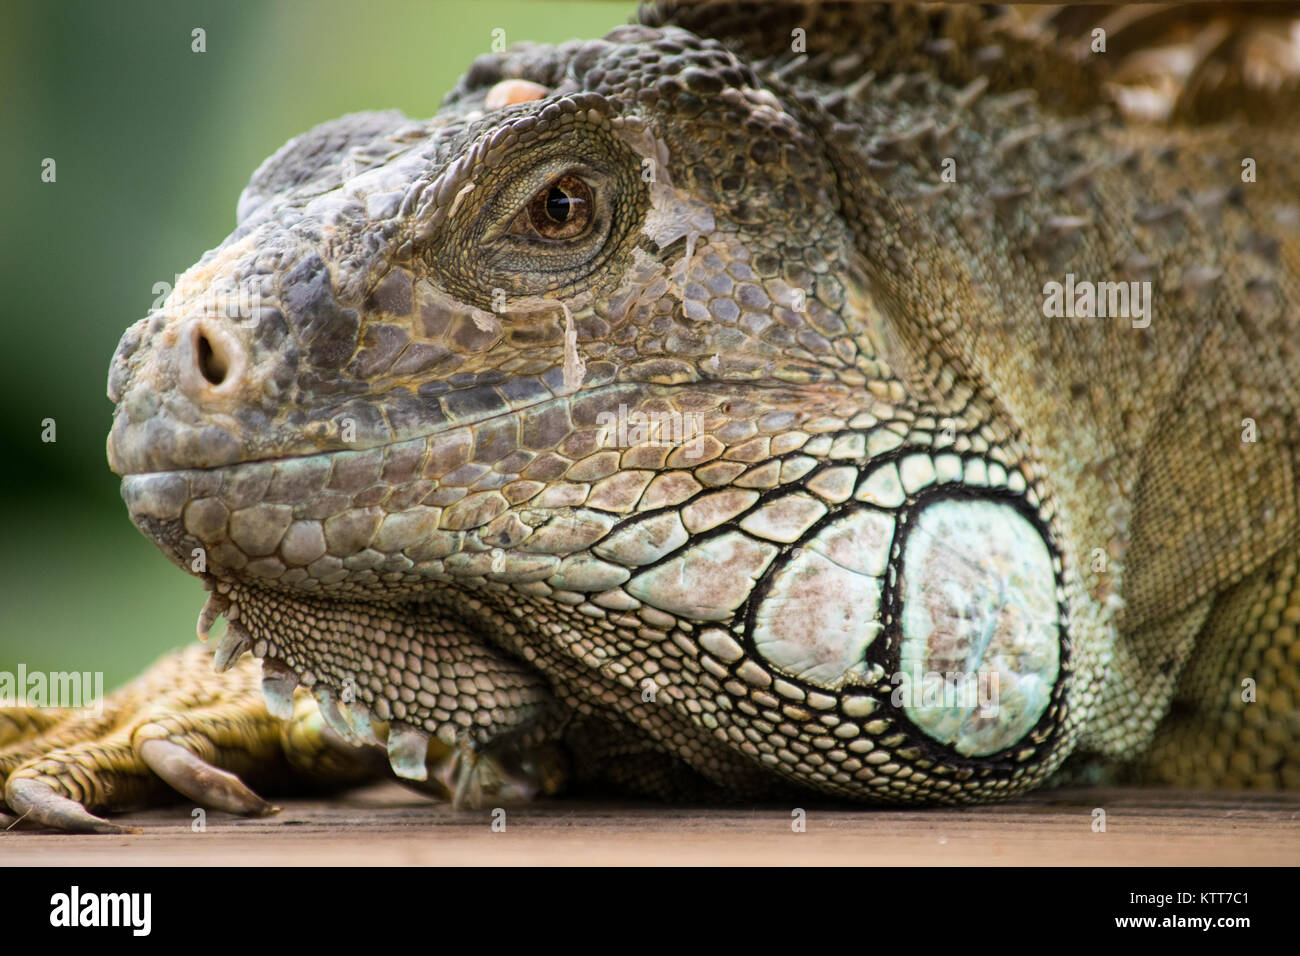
column 400, row 416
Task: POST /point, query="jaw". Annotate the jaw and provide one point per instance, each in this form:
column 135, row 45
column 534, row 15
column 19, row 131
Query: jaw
column 500, row 497
column 389, row 521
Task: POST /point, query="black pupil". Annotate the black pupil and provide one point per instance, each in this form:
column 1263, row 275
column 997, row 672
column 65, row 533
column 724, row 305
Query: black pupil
column 557, row 204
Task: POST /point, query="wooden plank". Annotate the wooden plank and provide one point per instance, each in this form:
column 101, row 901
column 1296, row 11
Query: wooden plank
column 388, row 825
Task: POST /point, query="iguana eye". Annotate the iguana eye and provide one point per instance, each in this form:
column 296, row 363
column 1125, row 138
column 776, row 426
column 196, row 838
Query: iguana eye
column 555, row 211
column 562, row 210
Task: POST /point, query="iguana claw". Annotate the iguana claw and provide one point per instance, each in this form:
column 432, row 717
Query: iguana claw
column 200, row 781
column 37, row 801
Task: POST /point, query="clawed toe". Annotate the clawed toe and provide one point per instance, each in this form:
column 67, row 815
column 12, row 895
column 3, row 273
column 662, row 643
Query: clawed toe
column 37, row 801
column 200, row 781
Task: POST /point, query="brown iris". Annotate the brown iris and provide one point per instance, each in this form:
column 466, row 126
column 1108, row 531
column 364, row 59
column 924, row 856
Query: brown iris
column 562, row 210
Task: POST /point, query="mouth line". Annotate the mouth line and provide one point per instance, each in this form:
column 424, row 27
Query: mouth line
column 426, row 436
column 272, row 460
column 645, row 389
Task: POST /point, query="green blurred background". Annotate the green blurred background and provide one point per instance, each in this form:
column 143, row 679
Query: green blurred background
column 153, row 143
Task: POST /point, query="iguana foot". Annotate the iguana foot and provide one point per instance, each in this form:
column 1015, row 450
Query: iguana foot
column 507, row 770
column 180, row 727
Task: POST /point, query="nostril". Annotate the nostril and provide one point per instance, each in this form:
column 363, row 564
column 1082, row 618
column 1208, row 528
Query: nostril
column 212, row 361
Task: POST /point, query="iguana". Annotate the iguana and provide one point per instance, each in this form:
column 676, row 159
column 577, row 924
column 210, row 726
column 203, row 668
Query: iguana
column 759, row 400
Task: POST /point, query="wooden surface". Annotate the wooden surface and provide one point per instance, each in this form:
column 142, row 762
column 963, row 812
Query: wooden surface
column 387, row 825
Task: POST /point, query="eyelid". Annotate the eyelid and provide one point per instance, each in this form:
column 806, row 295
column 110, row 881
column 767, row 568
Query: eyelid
column 550, row 174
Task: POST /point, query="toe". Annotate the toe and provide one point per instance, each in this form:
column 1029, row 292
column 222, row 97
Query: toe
column 38, row 801
column 200, row 781
column 62, row 787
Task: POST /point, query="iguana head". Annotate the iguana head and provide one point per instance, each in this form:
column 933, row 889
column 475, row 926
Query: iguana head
column 627, row 236
column 598, row 336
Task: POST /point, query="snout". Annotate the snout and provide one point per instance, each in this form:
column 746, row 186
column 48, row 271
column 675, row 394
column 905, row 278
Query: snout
column 178, row 385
